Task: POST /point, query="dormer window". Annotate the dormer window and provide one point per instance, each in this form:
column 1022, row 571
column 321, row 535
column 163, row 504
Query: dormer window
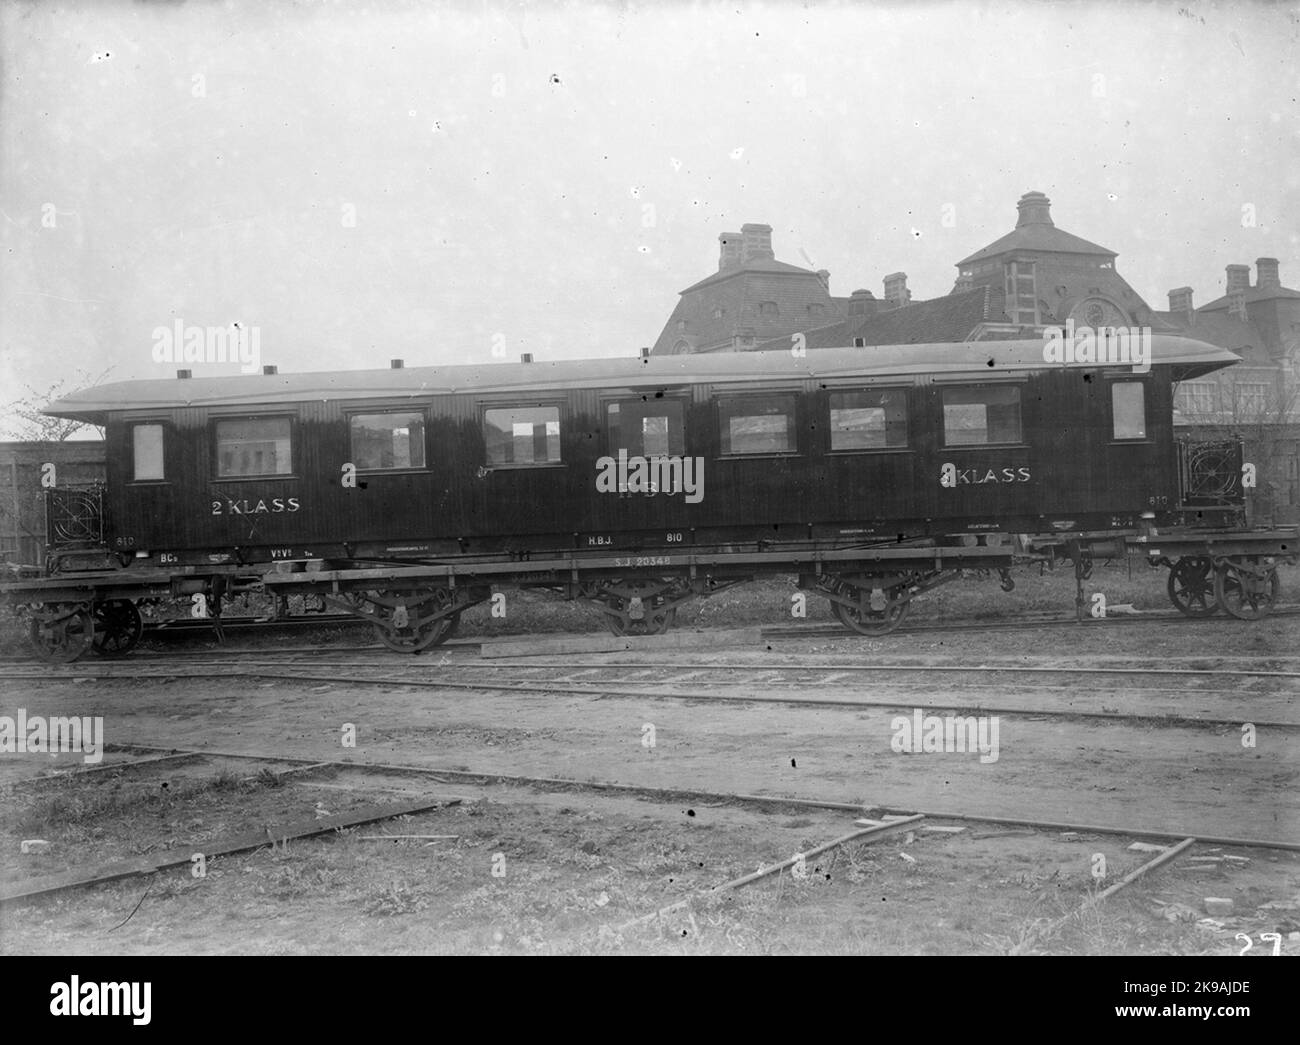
column 768, row 308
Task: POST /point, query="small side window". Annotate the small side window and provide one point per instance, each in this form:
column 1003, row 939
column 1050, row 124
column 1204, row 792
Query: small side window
column 758, row 424
column 980, row 415
column 869, row 420
column 389, row 440
column 1128, row 410
column 147, row 452
column 522, row 435
column 254, row 446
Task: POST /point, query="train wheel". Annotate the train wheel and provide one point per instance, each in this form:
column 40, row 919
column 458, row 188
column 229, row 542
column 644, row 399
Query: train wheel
column 655, row 623
column 408, row 621
column 59, row 636
column 1245, row 590
column 118, row 627
column 870, row 621
column 1191, row 586
column 637, row 607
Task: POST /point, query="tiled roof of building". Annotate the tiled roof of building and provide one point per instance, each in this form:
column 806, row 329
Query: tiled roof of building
column 1252, row 294
column 753, row 265
column 945, row 319
column 1220, row 328
column 1047, row 238
column 1035, row 231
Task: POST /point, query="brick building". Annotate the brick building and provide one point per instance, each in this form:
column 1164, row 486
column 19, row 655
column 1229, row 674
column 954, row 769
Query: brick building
column 1034, row 276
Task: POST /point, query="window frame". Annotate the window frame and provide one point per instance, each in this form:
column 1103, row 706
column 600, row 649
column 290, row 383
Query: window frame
column 831, row 449
column 1145, row 437
column 562, row 417
column 270, row 415
column 359, row 411
column 943, row 420
column 161, row 424
column 792, row 428
column 606, row 400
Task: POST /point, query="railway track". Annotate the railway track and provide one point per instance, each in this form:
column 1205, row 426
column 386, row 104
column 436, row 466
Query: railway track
column 300, row 768
column 990, row 688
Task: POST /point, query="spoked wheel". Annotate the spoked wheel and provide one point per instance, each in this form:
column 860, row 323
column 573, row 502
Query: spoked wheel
column 1191, row 586
column 871, row 621
column 407, row 621
column 1246, row 590
column 118, row 627
column 60, row 636
column 638, row 608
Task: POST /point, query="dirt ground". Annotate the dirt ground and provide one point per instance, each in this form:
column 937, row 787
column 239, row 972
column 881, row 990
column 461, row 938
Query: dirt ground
column 576, row 865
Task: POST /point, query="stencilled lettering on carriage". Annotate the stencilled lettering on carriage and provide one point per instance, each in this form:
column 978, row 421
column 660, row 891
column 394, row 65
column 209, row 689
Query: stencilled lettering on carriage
column 189, row 343
column 1105, row 346
column 950, row 734
column 74, row 998
column 262, row 506
column 950, row 476
column 651, row 475
column 37, row 734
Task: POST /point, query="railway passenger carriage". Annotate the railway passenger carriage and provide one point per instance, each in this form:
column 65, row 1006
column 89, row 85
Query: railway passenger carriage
column 405, row 495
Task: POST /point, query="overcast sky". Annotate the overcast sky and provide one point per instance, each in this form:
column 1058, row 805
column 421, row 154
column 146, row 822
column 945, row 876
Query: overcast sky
column 361, row 181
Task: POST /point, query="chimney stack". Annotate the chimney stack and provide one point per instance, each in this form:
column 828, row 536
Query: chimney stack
column 729, row 255
column 1267, row 274
column 1035, row 209
column 396, row 364
column 1180, row 300
column 755, row 243
column 824, row 276
column 1238, row 277
column 269, row 370
column 896, row 292
column 184, row 375
column 1237, row 303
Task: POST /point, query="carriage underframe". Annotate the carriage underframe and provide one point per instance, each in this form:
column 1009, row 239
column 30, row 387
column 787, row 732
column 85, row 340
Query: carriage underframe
column 413, row 607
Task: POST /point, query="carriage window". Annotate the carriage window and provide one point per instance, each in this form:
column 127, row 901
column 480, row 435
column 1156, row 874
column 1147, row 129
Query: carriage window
column 646, row 428
column 254, row 446
column 1128, row 410
column 393, row 440
column 147, row 448
column 758, row 424
column 522, row 435
column 868, row 420
column 981, row 414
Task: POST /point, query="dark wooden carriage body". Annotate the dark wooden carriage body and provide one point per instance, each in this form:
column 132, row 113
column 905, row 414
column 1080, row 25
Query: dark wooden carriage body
column 844, row 465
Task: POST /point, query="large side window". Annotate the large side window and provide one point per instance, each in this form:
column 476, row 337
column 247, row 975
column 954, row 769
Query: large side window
column 646, row 428
column 388, row 440
column 758, row 424
column 1128, row 410
column 981, row 414
column 869, row 420
column 147, row 452
column 254, row 446
column 522, row 435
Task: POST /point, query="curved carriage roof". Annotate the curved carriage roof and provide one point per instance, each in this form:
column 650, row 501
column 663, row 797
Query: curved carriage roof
column 972, row 359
